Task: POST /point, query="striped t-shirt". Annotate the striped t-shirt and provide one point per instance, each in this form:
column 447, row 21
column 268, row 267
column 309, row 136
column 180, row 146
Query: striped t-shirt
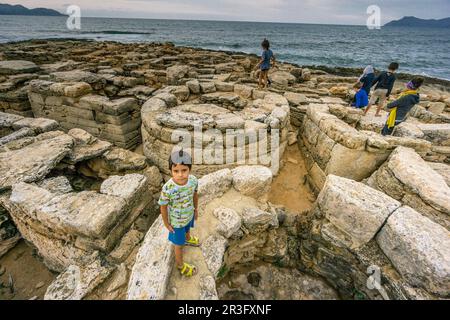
column 180, row 201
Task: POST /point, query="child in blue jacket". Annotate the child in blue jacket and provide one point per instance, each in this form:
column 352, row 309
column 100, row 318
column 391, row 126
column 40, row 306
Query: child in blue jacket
column 361, row 99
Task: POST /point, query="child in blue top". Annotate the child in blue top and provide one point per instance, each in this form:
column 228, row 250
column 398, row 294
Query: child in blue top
column 264, row 65
column 179, row 208
column 361, row 98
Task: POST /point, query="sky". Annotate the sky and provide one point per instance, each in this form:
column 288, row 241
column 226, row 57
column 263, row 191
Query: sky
column 352, row 12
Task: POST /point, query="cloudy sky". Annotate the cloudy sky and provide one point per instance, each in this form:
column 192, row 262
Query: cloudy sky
column 306, row 11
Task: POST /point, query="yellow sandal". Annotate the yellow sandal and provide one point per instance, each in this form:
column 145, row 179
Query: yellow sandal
column 193, row 242
column 188, row 270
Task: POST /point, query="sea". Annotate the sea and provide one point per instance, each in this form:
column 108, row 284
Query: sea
column 422, row 51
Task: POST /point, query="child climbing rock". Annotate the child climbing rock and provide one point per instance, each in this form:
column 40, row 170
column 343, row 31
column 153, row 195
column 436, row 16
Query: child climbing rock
column 179, row 208
column 400, row 108
column 384, row 84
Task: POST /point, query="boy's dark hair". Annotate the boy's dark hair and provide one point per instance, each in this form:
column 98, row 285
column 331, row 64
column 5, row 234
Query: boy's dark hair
column 394, row 66
column 417, row 82
column 180, row 157
column 358, row 85
column 265, row 44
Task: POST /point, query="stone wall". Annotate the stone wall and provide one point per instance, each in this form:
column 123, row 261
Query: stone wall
column 240, row 108
column 357, row 237
column 82, row 228
column 14, row 76
column 73, row 106
column 332, row 146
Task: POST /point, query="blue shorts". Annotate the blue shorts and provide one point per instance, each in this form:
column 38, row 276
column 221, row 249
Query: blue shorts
column 179, row 237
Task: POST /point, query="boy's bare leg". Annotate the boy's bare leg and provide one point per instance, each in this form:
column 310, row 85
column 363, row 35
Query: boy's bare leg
column 179, row 256
column 378, row 111
column 261, row 76
column 265, row 83
column 367, row 109
column 188, row 235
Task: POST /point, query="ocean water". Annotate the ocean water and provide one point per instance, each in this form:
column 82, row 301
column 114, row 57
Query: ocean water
column 423, row 51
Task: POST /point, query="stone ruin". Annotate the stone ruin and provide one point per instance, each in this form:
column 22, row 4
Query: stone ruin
column 74, row 107
column 73, row 222
column 220, row 129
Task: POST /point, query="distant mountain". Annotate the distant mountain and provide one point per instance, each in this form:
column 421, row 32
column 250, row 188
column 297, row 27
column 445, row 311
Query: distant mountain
column 7, row 9
column 420, row 23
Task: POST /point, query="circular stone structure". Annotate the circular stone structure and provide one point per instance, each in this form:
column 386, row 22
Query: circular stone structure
column 219, row 129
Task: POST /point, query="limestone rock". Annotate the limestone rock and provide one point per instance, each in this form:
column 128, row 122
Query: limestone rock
column 406, row 129
column 153, row 105
column 229, row 221
column 355, row 209
column 126, row 187
column 17, row 66
column 39, row 125
column 208, row 288
column 78, row 281
column 19, row 134
column 253, row 181
column 169, row 98
column 436, row 107
column 256, row 220
column 176, row 73
column 409, row 168
column 86, row 213
column 33, row 162
column 194, row 86
column 207, row 87
column 296, row 99
column 214, row 185
column 419, row 250
column 86, row 146
column 213, row 249
column 282, row 78
column 57, row 185
column 7, row 119
column 154, row 261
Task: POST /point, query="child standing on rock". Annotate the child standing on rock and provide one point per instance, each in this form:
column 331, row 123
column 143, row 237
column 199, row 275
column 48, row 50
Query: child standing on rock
column 264, row 65
column 384, row 85
column 179, row 208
